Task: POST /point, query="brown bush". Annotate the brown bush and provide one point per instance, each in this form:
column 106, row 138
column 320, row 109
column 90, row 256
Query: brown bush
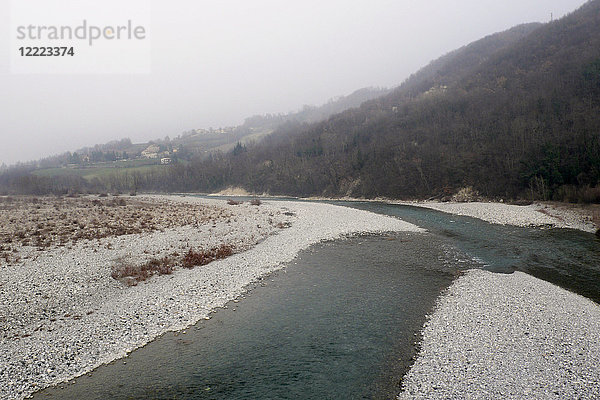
column 255, row 202
column 465, row 195
column 577, row 194
column 131, row 274
column 232, row 202
column 198, row 258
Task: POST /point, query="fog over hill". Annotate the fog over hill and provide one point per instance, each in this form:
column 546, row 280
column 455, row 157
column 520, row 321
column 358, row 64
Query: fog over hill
column 513, row 115
column 216, row 63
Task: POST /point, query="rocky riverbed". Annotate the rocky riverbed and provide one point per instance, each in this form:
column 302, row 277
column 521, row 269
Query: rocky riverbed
column 537, row 214
column 496, row 336
column 63, row 314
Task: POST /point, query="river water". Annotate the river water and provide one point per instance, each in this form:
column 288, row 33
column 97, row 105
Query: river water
column 341, row 321
column 566, row 257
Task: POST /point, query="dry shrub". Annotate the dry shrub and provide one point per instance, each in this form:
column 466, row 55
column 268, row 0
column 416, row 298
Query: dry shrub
column 590, row 195
column 131, row 274
column 124, row 271
column 232, row 202
column 465, row 195
column 255, row 202
column 567, row 193
column 575, row 194
column 522, row 203
column 162, row 266
column 595, row 213
column 197, row 258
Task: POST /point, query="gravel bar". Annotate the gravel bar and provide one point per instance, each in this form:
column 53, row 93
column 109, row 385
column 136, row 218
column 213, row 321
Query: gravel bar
column 497, row 336
column 62, row 314
column 533, row 215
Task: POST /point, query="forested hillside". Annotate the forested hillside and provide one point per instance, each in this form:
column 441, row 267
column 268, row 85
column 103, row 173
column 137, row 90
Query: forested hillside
column 521, row 121
column 514, row 115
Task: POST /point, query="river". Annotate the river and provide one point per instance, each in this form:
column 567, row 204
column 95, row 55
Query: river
column 343, row 319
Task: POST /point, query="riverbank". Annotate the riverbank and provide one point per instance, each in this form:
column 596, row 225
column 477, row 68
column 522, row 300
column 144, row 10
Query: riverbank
column 545, row 214
column 510, row 337
column 552, row 215
column 63, row 314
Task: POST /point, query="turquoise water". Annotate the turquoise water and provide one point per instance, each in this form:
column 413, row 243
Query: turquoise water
column 339, row 323
column 342, row 320
column 566, row 257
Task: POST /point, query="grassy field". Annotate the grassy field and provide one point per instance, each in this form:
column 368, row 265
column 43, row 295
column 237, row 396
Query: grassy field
column 245, row 140
column 102, row 169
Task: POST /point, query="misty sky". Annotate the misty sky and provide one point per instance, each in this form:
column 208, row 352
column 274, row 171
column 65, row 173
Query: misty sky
column 216, row 62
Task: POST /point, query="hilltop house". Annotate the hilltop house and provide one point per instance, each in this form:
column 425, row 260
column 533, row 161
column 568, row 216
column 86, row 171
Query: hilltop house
column 151, row 151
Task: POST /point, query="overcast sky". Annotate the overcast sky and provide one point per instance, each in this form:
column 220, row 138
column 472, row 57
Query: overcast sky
column 216, row 62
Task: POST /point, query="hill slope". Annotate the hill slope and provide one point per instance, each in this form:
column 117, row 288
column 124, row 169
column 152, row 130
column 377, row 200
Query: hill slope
column 518, row 118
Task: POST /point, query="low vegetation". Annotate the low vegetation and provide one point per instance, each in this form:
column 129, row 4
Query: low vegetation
column 466, row 194
column 43, row 222
column 198, row 258
column 131, row 274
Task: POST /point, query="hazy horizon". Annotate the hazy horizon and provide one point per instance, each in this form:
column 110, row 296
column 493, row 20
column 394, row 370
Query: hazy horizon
column 216, row 63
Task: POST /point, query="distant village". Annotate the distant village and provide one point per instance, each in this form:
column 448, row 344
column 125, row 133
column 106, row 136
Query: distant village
column 165, row 151
column 151, row 152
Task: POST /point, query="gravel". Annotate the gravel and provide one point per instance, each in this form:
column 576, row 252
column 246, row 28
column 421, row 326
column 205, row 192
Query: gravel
column 496, row 336
column 507, row 214
column 62, row 315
